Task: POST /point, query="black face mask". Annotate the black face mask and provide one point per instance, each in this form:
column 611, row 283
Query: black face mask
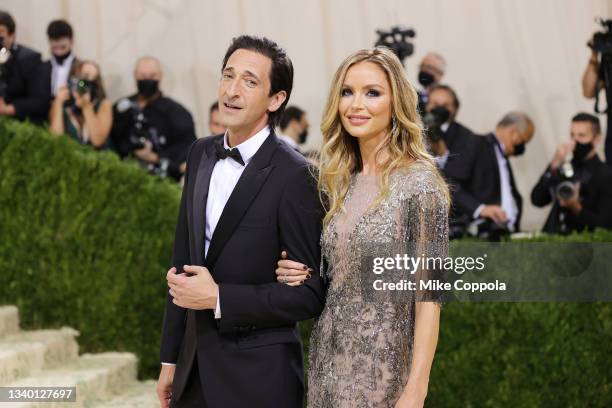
column 302, row 136
column 581, row 151
column 61, row 58
column 147, row 87
column 441, row 114
column 519, row 149
column 426, row 79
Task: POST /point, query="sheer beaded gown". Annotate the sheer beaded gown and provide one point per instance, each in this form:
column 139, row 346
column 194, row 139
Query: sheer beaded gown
column 361, row 350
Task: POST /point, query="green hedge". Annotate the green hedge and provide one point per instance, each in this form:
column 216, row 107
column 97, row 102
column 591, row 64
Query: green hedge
column 85, row 241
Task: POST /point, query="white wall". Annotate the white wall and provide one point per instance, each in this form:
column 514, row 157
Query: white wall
column 502, row 55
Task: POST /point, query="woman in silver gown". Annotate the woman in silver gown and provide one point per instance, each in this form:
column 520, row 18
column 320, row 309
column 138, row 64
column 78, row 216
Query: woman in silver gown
column 381, row 189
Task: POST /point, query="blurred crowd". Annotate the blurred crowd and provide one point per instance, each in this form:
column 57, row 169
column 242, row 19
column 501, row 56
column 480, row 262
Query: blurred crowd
column 67, row 94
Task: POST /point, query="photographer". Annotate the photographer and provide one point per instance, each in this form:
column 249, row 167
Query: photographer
column 81, row 109
column 577, row 182
column 594, row 80
column 486, row 191
column 431, row 72
column 452, row 144
column 24, row 83
column 152, row 127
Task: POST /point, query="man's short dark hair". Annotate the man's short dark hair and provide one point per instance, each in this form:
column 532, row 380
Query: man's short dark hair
column 592, row 119
column 291, row 113
column 59, row 29
column 213, row 107
column 451, row 91
column 7, row 20
column 281, row 74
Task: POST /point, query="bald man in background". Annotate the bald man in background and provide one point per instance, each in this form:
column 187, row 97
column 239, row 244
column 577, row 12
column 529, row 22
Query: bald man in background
column 151, row 127
column 431, row 72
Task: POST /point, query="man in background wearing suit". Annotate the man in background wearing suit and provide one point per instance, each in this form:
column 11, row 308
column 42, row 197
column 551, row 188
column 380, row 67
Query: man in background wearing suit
column 62, row 59
column 486, row 190
column 230, row 336
column 25, row 92
column 294, row 127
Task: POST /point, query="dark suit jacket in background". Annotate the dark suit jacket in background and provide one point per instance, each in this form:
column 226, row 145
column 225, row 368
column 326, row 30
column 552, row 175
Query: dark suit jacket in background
column 28, row 85
column 476, row 181
column 252, row 356
column 595, row 193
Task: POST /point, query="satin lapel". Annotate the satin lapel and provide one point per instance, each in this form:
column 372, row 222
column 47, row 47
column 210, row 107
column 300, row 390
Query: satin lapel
column 205, row 169
column 247, row 188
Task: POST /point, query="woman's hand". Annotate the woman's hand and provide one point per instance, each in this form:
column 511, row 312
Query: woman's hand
column 82, row 100
column 62, row 95
column 290, row 272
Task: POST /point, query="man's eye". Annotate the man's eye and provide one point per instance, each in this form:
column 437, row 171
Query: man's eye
column 227, row 76
column 251, row 83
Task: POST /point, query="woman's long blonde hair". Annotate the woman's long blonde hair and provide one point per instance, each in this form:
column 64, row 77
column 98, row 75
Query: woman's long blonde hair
column 340, row 156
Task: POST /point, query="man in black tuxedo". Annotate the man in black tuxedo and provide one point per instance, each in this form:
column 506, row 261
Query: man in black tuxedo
column 486, row 190
column 230, row 335
column 590, row 204
column 25, row 92
column 456, row 141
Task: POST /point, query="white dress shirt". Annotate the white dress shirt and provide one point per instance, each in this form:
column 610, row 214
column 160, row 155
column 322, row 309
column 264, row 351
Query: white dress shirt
column 223, row 180
column 289, row 141
column 508, row 204
column 60, row 73
column 441, row 160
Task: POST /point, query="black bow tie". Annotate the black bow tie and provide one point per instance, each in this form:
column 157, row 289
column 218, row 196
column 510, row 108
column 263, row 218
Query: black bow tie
column 223, row 153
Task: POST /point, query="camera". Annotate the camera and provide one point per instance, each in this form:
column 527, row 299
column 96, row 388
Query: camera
column 5, row 54
column 142, row 130
column 602, row 41
column 79, row 86
column 433, row 121
column 397, row 41
column 567, row 185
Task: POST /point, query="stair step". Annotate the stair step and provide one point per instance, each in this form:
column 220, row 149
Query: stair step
column 9, row 320
column 97, row 377
column 140, row 395
column 28, row 352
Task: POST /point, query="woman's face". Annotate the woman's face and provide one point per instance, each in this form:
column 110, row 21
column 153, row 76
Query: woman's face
column 88, row 72
column 365, row 101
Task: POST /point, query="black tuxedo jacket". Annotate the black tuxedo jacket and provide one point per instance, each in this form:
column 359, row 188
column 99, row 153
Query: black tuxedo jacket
column 27, row 85
column 252, row 356
column 478, row 182
column 462, row 146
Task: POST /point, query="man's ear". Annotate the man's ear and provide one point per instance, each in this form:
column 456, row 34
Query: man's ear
column 597, row 140
column 276, row 101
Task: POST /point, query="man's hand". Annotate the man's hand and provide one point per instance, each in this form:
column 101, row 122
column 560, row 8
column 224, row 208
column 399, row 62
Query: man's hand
column 198, row 291
column 494, row 212
column 146, row 153
column 164, row 385
column 573, row 203
column 5, row 109
column 561, row 153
